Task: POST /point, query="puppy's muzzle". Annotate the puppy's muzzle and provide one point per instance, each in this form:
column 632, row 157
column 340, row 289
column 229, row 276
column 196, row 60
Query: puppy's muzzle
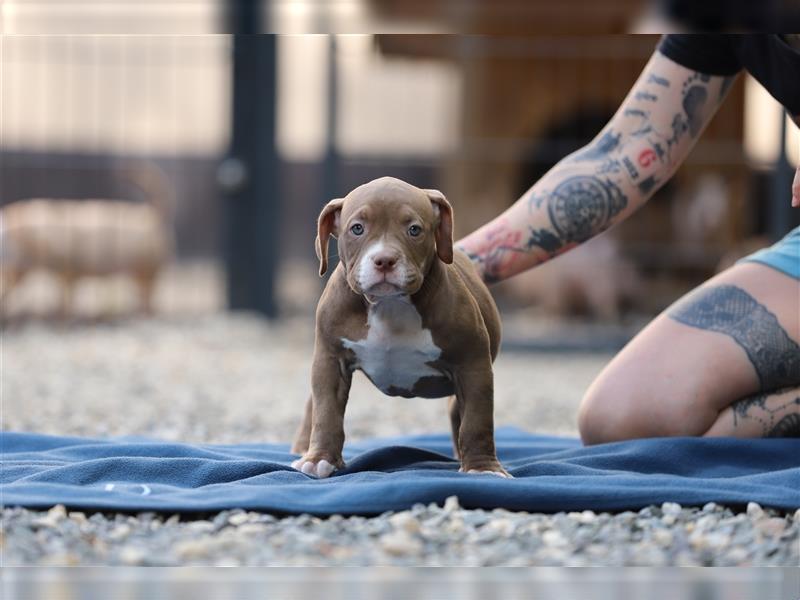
column 385, row 261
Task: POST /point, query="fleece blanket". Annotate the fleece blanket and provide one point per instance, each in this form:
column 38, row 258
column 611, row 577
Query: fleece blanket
column 551, row 474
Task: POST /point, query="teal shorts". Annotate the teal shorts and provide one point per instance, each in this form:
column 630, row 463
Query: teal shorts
column 784, row 255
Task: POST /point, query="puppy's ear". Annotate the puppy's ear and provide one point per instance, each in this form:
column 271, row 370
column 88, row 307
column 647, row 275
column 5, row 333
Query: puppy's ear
column 327, row 225
column 444, row 229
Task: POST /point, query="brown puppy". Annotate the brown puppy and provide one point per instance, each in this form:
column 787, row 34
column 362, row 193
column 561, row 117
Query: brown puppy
column 409, row 312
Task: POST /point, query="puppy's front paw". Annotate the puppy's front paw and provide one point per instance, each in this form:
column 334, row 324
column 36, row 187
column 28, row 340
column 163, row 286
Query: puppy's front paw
column 315, row 465
column 486, row 467
column 502, row 473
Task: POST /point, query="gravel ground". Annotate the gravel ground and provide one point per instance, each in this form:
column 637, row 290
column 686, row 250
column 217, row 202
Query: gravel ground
column 227, row 379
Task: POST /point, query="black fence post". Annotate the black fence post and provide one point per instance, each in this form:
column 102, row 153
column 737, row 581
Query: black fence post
column 330, row 162
column 248, row 176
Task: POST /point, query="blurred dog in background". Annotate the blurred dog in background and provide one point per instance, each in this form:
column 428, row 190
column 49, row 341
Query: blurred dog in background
column 72, row 239
column 593, row 280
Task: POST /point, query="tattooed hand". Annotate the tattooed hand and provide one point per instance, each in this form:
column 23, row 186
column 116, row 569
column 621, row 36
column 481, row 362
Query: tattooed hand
column 603, row 183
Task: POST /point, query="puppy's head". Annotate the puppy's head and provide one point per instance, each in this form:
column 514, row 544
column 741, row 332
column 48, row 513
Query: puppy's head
column 389, row 234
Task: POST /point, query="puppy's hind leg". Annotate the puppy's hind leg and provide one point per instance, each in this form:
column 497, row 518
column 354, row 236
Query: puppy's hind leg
column 455, row 422
column 475, row 391
column 302, row 436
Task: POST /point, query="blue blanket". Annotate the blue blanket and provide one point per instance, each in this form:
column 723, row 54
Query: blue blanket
column 551, row 474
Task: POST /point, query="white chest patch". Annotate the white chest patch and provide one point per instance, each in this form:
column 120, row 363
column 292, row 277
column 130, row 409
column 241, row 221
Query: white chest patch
column 397, row 349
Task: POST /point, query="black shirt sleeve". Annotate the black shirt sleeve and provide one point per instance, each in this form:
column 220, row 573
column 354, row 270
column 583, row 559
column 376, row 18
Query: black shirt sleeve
column 709, row 54
column 767, row 57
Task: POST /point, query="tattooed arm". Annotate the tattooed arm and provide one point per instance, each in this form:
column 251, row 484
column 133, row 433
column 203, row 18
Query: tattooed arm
column 796, row 184
column 606, row 181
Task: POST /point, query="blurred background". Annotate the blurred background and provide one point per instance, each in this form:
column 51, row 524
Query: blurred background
column 237, row 141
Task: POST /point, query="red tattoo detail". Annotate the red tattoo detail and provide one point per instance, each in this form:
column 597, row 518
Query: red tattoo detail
column 646, row 157
column 499, row 249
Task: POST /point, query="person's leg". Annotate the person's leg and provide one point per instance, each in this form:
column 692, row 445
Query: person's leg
column 774, row 414
column 731, row 339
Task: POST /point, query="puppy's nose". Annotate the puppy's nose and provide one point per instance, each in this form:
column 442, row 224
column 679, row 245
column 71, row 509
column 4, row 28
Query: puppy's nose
column 384, row 262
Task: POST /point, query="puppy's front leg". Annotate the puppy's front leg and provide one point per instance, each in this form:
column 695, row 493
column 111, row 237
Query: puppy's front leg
column 330, row 387
column 475, row 391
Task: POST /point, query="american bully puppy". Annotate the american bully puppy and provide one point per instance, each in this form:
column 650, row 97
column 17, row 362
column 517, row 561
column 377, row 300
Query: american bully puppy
column 79, row 238
column 409, row 312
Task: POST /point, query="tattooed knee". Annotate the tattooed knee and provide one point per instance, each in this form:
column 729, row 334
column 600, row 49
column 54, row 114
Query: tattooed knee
column 730, row 310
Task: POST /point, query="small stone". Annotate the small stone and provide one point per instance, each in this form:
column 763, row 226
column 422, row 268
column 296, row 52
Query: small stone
column 200, row 526
column 707, row 522
column 797, row 516
column 772, row 527
column 501, row 527
column 671, row 508
column 237, row 519
column 754, row 511
column 271, row 518
column 476, row 518
column 454, row 526
column 192, row 549
column 400, row 543
column 451, row 504
column 404, row 521
column 220, row 521
column 710, row 507
column 120, row 532
column 78, row 517
column 173, row 520
column 57, row 513
column 131, row 555
column 669, row 519
column 737, row 555
column 715, row 541
column 252, row 529
column 587, row 517
column 51, row 520
column 552, row 537
column 663, row 537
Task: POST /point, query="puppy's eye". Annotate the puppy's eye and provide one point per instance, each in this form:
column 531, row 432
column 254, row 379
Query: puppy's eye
column 357, row 229
column 414, row 230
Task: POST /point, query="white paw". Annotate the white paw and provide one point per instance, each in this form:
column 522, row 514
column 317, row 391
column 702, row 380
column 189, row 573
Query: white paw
column 320, row 469
column 488, row 472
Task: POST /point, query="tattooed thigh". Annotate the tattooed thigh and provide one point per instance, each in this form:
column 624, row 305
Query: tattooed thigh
column 730, row 310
